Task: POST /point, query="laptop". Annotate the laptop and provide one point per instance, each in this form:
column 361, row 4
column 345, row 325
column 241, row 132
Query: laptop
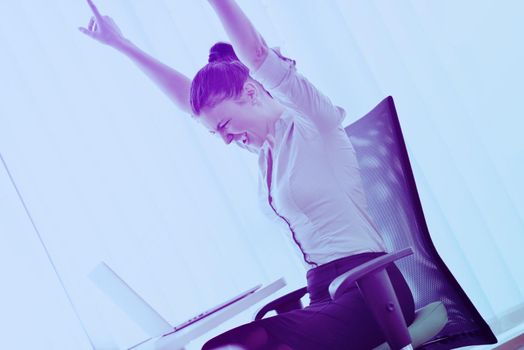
column 143, row 314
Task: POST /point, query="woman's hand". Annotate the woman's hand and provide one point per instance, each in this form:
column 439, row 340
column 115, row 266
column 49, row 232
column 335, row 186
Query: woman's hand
column 103, row 29
column 173, row 83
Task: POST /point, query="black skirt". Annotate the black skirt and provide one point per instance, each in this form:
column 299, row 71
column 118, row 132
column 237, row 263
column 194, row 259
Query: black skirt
column 325, row 324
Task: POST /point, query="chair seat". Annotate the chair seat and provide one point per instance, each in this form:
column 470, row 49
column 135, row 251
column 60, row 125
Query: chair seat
column 429, row 321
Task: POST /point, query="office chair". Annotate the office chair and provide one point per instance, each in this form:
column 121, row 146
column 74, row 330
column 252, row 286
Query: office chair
column 445, row 318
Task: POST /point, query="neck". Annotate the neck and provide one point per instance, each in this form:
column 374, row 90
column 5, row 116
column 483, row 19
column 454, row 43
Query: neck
column 275, row 114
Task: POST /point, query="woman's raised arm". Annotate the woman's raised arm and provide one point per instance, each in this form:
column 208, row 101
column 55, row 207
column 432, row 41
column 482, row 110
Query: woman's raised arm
column 277, row 73
column 173, row 83
column 249, row 45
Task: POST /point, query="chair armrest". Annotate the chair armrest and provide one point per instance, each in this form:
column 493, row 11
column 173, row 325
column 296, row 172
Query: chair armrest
column 348, row 279
column 374, row 285
column 288, row 302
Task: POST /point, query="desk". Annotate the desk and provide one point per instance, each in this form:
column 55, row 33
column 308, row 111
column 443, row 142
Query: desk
column 177, row 340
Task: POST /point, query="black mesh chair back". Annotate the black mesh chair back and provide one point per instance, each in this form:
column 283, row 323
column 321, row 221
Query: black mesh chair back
column 396, row 209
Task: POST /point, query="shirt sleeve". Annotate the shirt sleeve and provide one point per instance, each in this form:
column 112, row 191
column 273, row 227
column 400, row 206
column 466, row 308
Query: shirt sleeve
column 279, row 75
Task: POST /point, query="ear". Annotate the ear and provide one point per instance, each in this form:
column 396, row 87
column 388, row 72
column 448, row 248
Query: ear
column 250, row 91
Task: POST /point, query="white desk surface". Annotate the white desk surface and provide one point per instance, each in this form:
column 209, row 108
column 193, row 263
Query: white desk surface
column 178, row 340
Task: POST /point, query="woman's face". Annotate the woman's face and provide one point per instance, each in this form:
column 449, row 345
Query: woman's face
column 240, row 120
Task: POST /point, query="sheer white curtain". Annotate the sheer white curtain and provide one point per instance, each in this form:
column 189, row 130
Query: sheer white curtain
column 98, row 165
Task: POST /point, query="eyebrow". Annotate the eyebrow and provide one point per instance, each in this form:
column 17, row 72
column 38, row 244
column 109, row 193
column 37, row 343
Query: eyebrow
column 217, row 128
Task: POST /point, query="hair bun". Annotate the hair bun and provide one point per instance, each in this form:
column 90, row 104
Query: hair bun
column 220, row 52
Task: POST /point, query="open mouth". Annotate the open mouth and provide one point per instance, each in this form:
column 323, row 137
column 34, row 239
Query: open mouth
column 244, row 139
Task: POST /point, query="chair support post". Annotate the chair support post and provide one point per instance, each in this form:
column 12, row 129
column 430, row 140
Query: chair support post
column 378, row 292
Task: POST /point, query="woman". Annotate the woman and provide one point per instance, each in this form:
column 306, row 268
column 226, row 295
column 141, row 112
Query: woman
column 309, row 176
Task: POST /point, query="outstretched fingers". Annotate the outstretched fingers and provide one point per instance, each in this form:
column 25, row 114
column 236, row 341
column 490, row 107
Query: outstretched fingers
column 97, row 14
column 86, row 32
column 91, row 27
column 102, row 28
column 91, row 24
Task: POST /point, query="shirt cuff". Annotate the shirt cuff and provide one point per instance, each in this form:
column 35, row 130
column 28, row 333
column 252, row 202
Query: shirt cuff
column 342, row 114
column 273, row 69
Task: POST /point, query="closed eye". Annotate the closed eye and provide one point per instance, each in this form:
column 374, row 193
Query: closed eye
column 224, row 125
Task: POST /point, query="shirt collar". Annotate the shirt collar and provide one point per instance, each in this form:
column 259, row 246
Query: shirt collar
column 280, row 127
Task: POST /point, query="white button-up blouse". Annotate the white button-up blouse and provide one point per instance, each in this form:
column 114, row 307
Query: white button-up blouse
column 310, row 179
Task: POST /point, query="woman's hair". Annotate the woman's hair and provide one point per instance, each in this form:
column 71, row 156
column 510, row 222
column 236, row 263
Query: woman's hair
column 216, row 82
column 222, row 78
column 222, row 52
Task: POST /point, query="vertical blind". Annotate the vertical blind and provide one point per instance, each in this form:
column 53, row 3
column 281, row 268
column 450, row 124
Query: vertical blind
column 97, row 165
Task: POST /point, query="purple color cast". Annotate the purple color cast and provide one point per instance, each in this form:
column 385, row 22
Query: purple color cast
column 395, row 207
column 393, row 199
